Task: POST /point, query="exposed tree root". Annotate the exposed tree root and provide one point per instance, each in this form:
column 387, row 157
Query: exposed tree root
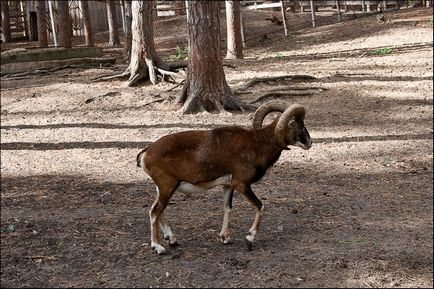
column 193, row 105
column 167, row 74
column 179, row 84
column 43, row 71
column 283, row 91
column 285, row 88
column 154, row 101
column 135, row 78
column 111, row 93
column 224, row 102
column 112, row 76
column 174, row 65
column 256, row 80
column 280, row 94
column 157, row 71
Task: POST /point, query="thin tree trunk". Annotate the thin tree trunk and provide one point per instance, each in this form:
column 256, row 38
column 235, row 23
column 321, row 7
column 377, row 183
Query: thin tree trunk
column 205, row 87
column 113, row 24
column 6, row 22
column 143, row 55
column 234, row 41
column 187, row 8
column 64, row 23
column 41, row 18
column 128, row 32
column 88, row 33
column 284, row 20
column 312, row 8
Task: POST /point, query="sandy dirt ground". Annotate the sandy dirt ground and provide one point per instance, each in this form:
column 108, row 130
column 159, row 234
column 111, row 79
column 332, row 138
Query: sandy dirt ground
column 356, row 210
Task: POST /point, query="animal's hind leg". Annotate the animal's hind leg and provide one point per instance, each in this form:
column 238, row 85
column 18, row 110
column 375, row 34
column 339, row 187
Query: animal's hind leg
column 165, row 191
column 167, row 232
column 224, row 233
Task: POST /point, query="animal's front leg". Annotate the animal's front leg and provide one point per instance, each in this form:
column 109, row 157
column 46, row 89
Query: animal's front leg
column 251, row 197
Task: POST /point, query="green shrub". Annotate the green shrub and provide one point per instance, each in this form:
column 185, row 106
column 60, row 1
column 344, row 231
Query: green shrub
column 381, row 51
column 181, row 53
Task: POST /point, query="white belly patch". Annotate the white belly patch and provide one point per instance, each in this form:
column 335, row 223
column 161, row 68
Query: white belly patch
column 189, row 188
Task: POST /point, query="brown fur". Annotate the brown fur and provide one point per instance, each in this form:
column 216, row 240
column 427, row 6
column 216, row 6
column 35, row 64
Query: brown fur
column 201, row 157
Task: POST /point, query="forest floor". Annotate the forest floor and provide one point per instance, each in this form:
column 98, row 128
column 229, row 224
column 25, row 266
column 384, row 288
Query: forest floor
column 356, row 210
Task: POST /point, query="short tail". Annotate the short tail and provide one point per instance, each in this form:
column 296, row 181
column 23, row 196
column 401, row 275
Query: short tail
column 140, row 158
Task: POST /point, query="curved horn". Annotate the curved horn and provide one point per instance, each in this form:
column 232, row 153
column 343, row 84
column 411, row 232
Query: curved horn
column 265, row 109
column 294, row 110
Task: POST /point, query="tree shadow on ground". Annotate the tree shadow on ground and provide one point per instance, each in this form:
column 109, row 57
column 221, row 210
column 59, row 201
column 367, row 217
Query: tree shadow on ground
column 69, row 230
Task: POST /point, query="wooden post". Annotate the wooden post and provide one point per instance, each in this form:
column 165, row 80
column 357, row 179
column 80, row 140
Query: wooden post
column 338, row 10
column 243, row 40
column 384, row 5
column 187, row 6
column 312, row 9
column 53, row 23
column 23, row 19
column 363, row 6
column 282, row 7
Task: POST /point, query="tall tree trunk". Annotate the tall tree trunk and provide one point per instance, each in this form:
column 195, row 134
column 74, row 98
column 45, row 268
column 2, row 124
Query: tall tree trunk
column 88, row 33
column 205, row 87
column 179, row 7
column 6, row 22
column 128, row 32
column 143, row 55
column 41, row 18
column 234, row 41
column 64, row 23
column 112, row 24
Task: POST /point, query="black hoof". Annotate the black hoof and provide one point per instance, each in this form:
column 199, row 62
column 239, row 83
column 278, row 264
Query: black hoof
column 249, row 244
column 174, row 244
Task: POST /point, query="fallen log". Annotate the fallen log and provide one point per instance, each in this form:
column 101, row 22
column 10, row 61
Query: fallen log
column 18, row 67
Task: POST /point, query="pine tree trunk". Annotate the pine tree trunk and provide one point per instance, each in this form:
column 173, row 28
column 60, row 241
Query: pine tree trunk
column 179, row 7
column 128, row 32
column 143, row 55
column 6, row 22
column 64, row 23
column 205, row 87
column 41, row 18
column 88, row 33
column 113, row 24
column 234, row 41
